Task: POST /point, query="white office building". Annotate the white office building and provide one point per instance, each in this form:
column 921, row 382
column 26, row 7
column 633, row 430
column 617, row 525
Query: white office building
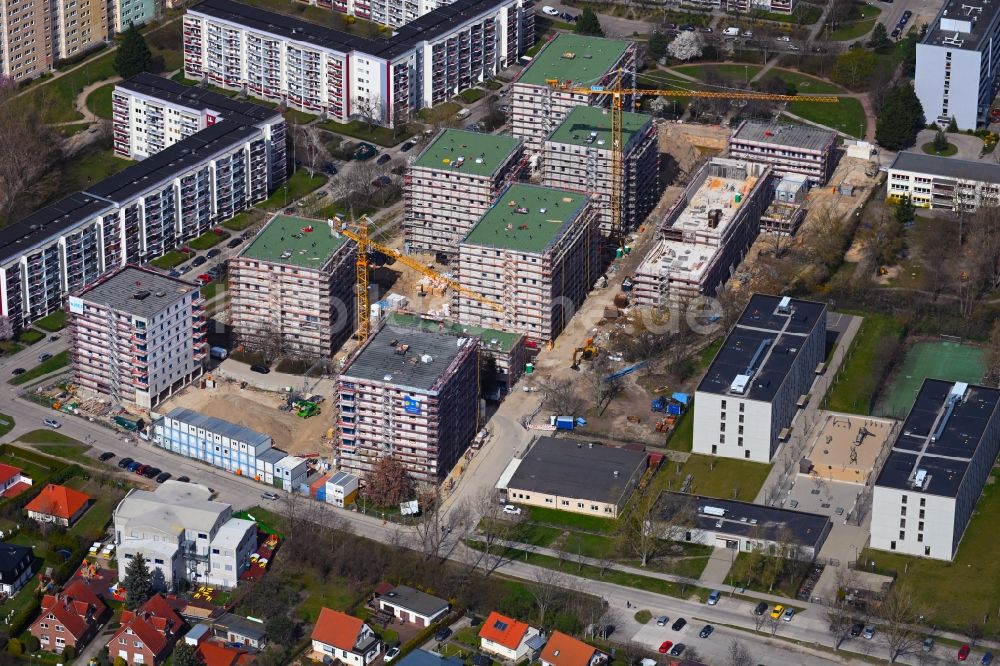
column 937, row 468
column 751, row 391
column 957, row 63
column 942, row 182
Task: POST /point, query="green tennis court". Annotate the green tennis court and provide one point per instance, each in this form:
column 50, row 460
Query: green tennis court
column 951, row 361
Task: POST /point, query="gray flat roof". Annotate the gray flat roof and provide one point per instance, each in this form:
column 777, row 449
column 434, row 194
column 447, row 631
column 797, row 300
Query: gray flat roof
column 947, row 167
column 406, row 597
column 967, row 24
column 219, row 426
column 49, row 222
column 424, row 658
column 405, row 356
column 945, row 459
column 195, row 97
column 785, row 134
column 240, row 625
column 121, row 290
column 578, row 469
column 775, row 340
column 272, row 455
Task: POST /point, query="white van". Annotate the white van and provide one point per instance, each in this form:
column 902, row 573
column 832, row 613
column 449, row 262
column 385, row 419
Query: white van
column 731, row 32
column 463, row 114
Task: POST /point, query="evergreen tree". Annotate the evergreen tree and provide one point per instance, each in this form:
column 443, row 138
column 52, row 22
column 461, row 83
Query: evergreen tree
column 138, row 582
column 133, row 55
column 657, row 44
column 879, row 40
column 187, row 655
column 953, row 125
column 940, row 141
column 900, row 119
column 905, row 210
column 588, row 24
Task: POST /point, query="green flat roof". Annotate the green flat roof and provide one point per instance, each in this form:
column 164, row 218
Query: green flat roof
column 483, row 153
column 504, row 340
column 592, row 58
column 283, row 235
column 584, row 120
column 530, row 231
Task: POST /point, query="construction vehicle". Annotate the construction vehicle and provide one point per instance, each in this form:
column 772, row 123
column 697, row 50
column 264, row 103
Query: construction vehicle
column 666, row 425
column 618, row 94
column 304, row 408
column 366, row 245
column 587, row 352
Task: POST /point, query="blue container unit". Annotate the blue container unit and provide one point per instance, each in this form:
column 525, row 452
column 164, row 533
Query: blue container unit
column 564, row 423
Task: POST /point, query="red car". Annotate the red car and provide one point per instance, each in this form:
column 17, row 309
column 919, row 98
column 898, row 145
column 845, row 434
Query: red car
column 141, row 468
column 963, row 652
column 665, row 646
column 186, row 250
column 204, row 278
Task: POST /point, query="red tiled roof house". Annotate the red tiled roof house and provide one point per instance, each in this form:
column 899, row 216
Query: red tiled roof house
column 69, row 618
column 13, row 481
column 341, row 637
column 147, row 635
column 563, row 650
column 59, row 505
column 506, row 637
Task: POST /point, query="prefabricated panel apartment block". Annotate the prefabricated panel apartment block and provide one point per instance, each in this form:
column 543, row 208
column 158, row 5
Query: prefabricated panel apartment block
column 535, row 255
column 705, row 234
column 577, row 156
column 540, row 98
column 295, row 280
column 791, row 148
column 451, row 184
column 137, row 336
column 411, row 394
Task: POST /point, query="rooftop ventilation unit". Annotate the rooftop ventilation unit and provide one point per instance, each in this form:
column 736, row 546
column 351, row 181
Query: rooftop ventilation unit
column 141, row 295
column 920, row 478
column 713, row 511
column 785, row 305
column 739, row 384
column 954, row 396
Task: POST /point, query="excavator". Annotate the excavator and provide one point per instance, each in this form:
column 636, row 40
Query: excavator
column 586, row 352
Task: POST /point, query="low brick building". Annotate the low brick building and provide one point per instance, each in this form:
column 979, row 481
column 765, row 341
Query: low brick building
column 147, row 635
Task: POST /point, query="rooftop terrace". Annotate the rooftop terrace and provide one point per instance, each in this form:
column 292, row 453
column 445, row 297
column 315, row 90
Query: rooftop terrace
column 471, row 153
column 581, row 59
column 591, row 126
column 294, row 241
column 527, row 218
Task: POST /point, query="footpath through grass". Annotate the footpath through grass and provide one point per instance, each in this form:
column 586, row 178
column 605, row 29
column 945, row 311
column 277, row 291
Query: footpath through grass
column 857, row 381
column 60, row 360
column 99, row 101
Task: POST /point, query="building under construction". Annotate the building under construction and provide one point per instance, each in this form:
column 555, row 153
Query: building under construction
column 577, row 156
column 412, row 394
column 540, row 98
column 705, row 234
column 534, row 256
column 452, row 183
column 293, row 288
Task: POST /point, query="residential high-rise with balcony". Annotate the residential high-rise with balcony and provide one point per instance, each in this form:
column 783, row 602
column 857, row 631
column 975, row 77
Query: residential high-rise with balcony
column 393, row 13
column 25, row 38
column 137, row 336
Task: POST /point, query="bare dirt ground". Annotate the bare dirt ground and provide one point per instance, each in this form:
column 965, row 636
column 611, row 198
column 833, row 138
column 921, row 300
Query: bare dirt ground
column 690, row 144
column 258, row 411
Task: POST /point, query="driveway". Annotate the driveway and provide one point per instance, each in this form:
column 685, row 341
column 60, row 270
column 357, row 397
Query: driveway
column 969, row 147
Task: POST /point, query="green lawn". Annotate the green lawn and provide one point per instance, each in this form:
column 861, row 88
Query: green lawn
column 332, row 593
column 472, row 95
column 947, row 152
column 169, row 260
column 806, row 85
column 577, row 521
column 47, row 436
column 341, row 207
column 60, row 360
column 682, row 436
column 99, row 101
column 854, row 386
column 588, row 545
column 239, row 223
column 730, row 478
column 359, row 129
column 207, row 240
column 537, row 535
column 30, row 336
column 734, row 72
column 106, row 498
column 296, row 117
column 52, row 322
column 6, row 424
column 67, row 131
column 90, row 167
column 442, row 111
column 212, row 289
column 9, row 347
column 850, row 31
column 847, row 115
column 296, row 187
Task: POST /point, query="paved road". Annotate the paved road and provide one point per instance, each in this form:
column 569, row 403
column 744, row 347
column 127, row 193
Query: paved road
column 613, row 26
column 924, row 11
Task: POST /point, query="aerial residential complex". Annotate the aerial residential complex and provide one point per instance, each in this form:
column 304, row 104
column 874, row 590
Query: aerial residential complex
column 767, row 363
column 452, row 183
column 957, row 64
column 294, row 281
column 393, row 13
column 535, row 255
column 411, row 394
column 745, row 6
column 705, row 234
column 936, row 471
column 151, row 113
column 942, row 182
column 577, row 156
column 790, row 148
column 137, row 336
column 340, row 75
column 538, row 105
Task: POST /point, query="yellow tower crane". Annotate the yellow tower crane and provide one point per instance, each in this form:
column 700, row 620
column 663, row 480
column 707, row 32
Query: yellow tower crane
column 360, row 236
column 618, row 93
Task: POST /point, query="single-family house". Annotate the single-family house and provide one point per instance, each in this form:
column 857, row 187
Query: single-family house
column 13, row 481
column 232, row 628
column 147, row 634
column 506, row 637
column 413, row 606
column 70, row 618
column 59, row 505
column 563, row 650
column 16, row 567
column 341, row 637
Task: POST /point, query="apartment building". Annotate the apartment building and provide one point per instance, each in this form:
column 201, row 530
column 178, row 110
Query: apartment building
column 410, row 394
column 127, row 12
column 451, row 183
column 540, row 97
column 767, row 363
column 132, row 217
column 393, row 13
column 705, row 234
column 78, row 26
column 957, row 63
column 183, row 536
column 150, row 113
column 535, row 255
column 341, row 75
column 26, row 48
column 137, row 336
column 295, row 280
column 943, row 182
column 928, row 487
column 577, row 156
column 789, row 148
column 747, row 6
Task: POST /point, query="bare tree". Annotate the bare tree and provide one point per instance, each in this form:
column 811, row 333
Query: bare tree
column 29, row 148
column 773, row 624
column 898, row 614
column 738, row 654
column 429, row 531
column 6, row 328
column 561, row 396
column 839, row 616
column 604, row 391
column 758, row 620
column 653, row 519
column 545, row 589
column 266, row 340
column 369, row 109
column 495, row 529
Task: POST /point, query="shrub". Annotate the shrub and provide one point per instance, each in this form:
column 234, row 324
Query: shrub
column 643, row 616
column 14, row 647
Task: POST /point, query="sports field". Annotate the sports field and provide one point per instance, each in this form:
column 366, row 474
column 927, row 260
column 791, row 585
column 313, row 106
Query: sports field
column 951, row 361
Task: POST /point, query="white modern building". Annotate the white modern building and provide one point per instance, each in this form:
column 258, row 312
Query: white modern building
column 341, row 75
column 957, row 63
column 751, row 391
column 183, row 535
column 933, row 477
column 137, row 336
column 790, row 148
column 942, row 182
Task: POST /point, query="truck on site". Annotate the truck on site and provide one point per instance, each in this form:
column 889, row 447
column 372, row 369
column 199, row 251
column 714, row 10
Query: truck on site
column 218, row 353
column 132, row 425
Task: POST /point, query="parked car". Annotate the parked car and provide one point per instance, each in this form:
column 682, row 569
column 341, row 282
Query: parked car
column 52, row 423
column 987, row 659
column 131, row 467
column 788, row 614
column 184, row 479
column 963, row 652
column 705, row 28
column 856, row 629
column 139, row 469
column 442, row 634
column 42, row 358
column 261, row 369
column 869, row 632
column 106, row 456
column 364, row 151
column 269, row 496
column 163, row 476
column 760, row 609
column 151, row 472
column 198, row 261
column 233, row 243
column 204, row 278
column 665, row 646
column 928, row 644
column 569, row 18
column 687, row 28
column 550, row 11
column 405, row 148
column 213, row 253
column 125, row 462
column 390, row 654
column 330, row 168
column 512, row 510
column 53, row 338
column 777, row 611
column 678, row 650
column 383, row 158
column 18, row 371
column 662, row 621
column 895, row 33
column 706, row 631
column 678, row 624
column 713, row 597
